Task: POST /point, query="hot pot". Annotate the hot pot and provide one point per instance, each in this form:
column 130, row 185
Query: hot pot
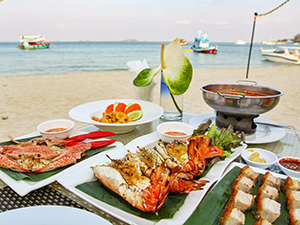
column 238, row 104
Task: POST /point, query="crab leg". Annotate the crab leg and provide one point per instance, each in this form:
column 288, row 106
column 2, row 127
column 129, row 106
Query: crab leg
column 63, row 161
column 95, row 144
column 91, row 135
column 9, row 164
column 70, row 157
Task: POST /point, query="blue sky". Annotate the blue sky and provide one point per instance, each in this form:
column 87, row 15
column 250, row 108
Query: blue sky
column 150, row 20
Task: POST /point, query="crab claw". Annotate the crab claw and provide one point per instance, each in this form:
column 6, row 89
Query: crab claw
column 9, row 164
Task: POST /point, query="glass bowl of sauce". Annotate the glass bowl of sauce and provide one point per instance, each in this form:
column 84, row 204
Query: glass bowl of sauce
column 290, row 166
column 60, row 128
column 170, row 131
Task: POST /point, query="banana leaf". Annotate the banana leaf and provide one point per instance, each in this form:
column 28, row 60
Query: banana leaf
column 211, row 207
column 97, row 190
column 35, row 177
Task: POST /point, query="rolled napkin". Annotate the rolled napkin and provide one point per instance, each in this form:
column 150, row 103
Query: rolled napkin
column 143, row 93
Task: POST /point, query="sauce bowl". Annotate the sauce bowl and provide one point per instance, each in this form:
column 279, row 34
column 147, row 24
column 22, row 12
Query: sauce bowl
column 170, row 131
column 288, row 164
column 44, row 128
column 270, row 157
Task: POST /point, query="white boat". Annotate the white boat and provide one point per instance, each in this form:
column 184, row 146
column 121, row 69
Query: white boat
column 289, row 54
column 240, row 42
column 202, row 45
column 33, row 42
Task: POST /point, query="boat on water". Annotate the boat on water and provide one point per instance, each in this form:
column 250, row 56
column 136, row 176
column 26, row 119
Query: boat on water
column 33, row 42
column 240, row 42
column 183, row 41
column 289, row 54
column 202, row 45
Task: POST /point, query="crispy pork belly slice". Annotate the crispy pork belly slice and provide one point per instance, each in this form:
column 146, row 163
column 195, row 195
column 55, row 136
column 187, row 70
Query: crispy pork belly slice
column 241, row 200
column 271, row 180
column 243, row 183
column 250, row 173
column 268, row 209
column 294, row 215
column 232, row 216
column 267, row 191
column 291, row 184
column 262, row 221
column 292, row 199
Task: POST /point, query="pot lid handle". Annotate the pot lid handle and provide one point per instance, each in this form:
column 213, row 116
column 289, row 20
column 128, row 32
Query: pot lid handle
column 231, row 94
column 247, row 81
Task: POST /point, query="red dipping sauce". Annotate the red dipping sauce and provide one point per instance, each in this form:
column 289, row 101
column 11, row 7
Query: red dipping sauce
column 175, row 133
column 290, row 163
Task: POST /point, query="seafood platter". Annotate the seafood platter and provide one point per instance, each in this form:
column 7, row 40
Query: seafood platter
column 155, row 182
column 250, row 195
column 31, row 163
column 238, row 104
column 117, row 115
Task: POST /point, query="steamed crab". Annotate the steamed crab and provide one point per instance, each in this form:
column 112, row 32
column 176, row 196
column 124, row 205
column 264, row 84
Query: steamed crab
column 48, row 153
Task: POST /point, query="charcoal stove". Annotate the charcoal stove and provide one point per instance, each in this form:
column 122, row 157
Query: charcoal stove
column 243, row 123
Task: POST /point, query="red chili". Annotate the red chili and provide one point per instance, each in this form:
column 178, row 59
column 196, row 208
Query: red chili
column 98, row 144
column 213, row 151
column 91, row 135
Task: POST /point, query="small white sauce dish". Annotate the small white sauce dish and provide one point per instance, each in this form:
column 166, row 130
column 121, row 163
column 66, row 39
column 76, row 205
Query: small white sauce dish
column 174, row 127
column 57, row 123
column 289, row 172
column 270, row 157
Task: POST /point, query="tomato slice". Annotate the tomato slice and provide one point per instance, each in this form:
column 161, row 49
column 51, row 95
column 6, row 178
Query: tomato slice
column 120, row 107
column 213, row 151
column 109, row 108
column 132, row 107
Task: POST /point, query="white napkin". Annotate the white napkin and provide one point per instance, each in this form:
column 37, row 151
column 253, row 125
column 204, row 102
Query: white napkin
column 135, row 67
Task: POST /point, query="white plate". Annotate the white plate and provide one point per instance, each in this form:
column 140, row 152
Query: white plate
column 54, row 215
column 84, row 112
column 23, row 187
column 263, row 133
column 83, row 173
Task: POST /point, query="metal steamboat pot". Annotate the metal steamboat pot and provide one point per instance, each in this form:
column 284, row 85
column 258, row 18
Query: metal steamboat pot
column 239, row 103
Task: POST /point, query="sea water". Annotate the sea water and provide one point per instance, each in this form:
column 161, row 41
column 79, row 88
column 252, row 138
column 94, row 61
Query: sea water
column 65, row 57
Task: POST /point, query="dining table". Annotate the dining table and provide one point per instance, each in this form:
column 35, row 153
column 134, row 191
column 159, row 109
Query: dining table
column 56, row 194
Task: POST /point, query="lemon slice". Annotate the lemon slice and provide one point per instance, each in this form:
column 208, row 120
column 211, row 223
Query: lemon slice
column 135, row 115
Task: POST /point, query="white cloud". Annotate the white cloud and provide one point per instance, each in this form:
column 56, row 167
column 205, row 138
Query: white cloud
column 182, row 22
column 221, row 23
column 61, row 26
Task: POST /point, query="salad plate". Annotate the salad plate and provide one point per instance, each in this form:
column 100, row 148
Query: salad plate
column 24, row 186
column 263, row 134
column 83, row 174
column 83, row 113
column 54, row 215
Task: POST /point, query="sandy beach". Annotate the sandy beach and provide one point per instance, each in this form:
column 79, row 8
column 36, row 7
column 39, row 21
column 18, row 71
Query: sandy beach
column 27, row 100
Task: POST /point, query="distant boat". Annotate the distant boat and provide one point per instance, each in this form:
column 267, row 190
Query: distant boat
column 33, row 42
column 287, row 55
column 269, row 42
column 183, row 41
column 240, row 42
column 201, row 45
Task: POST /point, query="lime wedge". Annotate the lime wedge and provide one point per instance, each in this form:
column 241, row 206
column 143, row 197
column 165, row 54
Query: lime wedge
column 135, row 115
